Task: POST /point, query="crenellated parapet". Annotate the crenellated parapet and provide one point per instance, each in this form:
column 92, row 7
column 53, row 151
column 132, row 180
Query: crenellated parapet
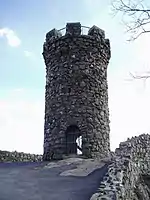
column 94, row 38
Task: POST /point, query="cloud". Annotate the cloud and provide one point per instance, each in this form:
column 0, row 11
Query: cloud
column 129, row 108
column 141, row 49
column 29, row 54
column 22, row 119
column 12, row 39
column 22, row 115
column 22, row 123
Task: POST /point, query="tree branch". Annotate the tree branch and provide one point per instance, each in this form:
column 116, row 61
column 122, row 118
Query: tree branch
column 139, row 15
column 140, row 77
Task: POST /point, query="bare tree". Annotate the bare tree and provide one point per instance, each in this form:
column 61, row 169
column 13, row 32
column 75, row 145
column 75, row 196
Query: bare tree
column 135, row 15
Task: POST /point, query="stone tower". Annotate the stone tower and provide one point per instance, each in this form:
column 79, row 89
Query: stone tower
column 76, row 97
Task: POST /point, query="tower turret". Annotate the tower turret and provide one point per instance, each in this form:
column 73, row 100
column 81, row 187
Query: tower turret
column 76, row 97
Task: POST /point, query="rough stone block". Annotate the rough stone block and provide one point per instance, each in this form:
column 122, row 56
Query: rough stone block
column 96, row 31
column 73, row 29
column 53, row 33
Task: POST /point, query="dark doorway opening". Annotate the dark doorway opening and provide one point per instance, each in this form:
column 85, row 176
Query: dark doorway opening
column 73, row 140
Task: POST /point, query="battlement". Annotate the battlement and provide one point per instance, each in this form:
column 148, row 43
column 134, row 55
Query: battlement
column 75, row 30
column 73, row 36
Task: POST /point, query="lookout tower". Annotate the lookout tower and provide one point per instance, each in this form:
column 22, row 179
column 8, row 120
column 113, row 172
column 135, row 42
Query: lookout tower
column 76, row 97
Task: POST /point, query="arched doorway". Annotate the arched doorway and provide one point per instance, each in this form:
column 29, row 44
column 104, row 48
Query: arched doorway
column 73, row 140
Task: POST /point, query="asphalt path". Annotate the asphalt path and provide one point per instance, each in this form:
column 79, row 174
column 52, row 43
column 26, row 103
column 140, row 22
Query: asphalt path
column 30, row 181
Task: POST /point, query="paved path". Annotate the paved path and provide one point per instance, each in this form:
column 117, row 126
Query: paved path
column 30, row 181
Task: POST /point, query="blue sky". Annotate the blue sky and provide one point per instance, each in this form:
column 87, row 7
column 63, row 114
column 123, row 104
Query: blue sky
column 23, row 26
column 30, row 20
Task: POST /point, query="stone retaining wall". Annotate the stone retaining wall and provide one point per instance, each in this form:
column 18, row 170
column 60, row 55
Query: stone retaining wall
column 124, row 180
column 6, row 156
column 139, row 150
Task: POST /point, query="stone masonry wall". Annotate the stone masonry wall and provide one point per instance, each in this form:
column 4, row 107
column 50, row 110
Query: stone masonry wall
column 124, row 180
column 139, row 150
column 76, row 90
column 6, row 156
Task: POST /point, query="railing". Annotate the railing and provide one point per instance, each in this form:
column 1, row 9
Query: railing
column 84, row 30
column 75, row 29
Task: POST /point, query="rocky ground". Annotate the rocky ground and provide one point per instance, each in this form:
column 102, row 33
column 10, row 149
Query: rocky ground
column 69, row 179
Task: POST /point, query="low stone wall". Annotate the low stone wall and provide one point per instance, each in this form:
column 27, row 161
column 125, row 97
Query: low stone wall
column 138, row 148
column 6, row 156
column 124, row 179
